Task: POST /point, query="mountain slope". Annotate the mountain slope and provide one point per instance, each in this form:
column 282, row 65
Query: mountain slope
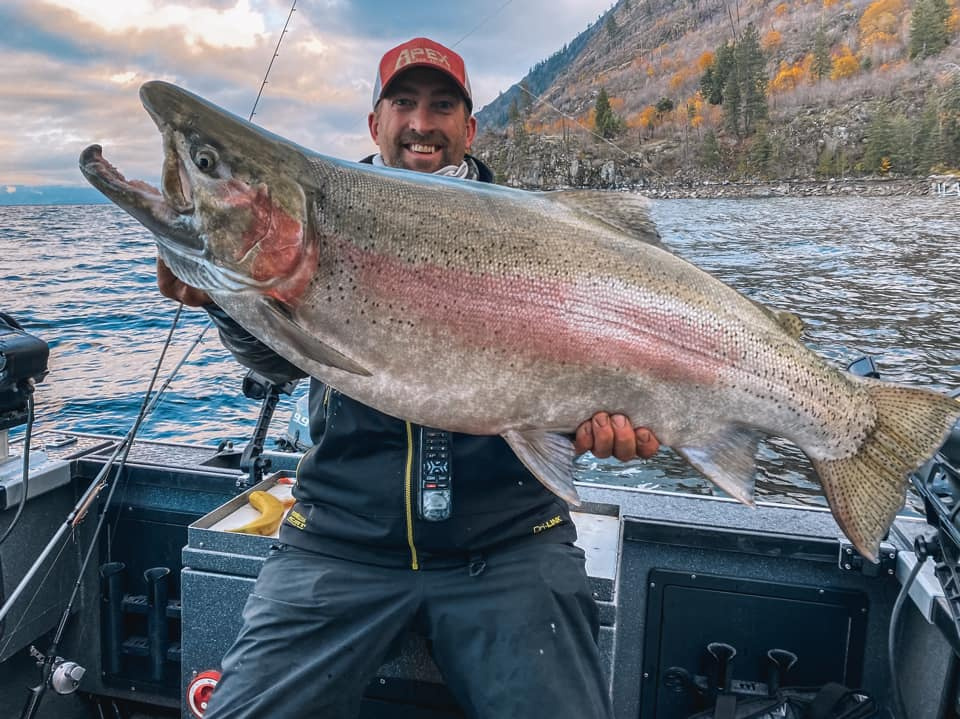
column 873, row 111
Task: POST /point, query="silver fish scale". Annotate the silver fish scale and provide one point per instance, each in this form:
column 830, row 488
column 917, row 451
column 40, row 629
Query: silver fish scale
column 428, row 227
column 487, row 310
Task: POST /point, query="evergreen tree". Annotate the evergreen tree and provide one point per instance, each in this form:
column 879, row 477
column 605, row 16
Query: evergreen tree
column 732, row 101
column 517, row 121
column 904, row 154
column 891, row 144
column 751, row 68
column 743, row 91
column 708, row 86
column 822, row 62
column 949, row 126
column 607, row 121
column 710, row 156
column 612, row 27
column 879, row 141
column 715, row 77
column 929, row 33
column 664, row 105
column 928, row 141
column 760, row 158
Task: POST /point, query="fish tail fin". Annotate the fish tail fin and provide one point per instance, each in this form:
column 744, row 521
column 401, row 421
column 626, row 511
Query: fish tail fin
column 867, row 489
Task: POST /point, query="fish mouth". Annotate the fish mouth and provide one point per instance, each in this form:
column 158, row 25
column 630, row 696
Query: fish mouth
column 175, row 181
column 165, row 218
column 110, row 181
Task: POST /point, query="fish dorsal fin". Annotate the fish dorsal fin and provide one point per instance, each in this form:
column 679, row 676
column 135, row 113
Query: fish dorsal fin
column 549, row 457
column 305, row 343
column 623, row 211
column 728, row 459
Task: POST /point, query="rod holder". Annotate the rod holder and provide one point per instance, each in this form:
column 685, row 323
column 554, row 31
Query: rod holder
column 157, row 591
column 722, row 669
column 780, row 661
column 111, row 597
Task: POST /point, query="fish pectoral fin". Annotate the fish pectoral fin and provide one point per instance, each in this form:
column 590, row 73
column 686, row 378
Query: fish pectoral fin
column 622, row 211
column 549, row 457
column 728, row 460
column 309, row 346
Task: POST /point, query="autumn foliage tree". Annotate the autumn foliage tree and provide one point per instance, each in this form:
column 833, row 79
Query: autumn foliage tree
column 880, row 21
column 845, row 64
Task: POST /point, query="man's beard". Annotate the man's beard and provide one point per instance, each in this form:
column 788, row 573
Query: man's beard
column 415, row 138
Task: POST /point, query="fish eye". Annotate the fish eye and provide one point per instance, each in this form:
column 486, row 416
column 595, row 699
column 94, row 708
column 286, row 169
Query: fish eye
column 205, row 158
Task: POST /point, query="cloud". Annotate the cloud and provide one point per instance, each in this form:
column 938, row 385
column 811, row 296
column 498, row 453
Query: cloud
column 232, row 26
column 79, row 64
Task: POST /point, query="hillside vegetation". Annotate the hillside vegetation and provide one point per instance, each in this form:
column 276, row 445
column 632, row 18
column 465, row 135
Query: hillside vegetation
column 690, row 91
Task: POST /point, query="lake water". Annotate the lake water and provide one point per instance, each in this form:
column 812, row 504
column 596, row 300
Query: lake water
column 869, row 276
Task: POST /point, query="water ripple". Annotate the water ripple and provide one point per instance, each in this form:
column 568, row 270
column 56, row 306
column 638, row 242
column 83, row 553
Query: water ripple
column 867, row 276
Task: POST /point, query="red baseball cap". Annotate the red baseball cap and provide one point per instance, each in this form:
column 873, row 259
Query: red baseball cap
column 421, row 52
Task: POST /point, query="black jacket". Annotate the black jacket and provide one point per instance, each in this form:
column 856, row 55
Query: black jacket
column 357, row 486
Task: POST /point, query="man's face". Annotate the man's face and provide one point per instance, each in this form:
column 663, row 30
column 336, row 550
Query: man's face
column 422, row 123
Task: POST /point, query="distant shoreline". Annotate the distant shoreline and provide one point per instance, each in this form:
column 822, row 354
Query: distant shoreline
column 702, row 190
column 847, row 187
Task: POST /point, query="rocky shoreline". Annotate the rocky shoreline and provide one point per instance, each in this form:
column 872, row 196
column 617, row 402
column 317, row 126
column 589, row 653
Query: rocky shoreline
column 548, row 164
column 848, row 187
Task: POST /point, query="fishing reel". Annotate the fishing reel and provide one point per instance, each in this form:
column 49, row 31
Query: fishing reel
column 938, row 484
column 23, row 362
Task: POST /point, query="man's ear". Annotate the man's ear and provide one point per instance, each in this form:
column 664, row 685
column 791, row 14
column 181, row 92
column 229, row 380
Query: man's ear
column 471, row 130
column 373, row 124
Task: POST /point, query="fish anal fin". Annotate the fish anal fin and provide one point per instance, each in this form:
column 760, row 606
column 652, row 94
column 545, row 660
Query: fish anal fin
column 867, row 489
column 549, row 457
column 728, row 459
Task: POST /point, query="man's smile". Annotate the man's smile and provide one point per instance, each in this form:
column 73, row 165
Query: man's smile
column 423, row 149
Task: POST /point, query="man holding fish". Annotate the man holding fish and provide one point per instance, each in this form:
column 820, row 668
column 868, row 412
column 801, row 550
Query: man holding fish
column 507, row 317
column 400, row 527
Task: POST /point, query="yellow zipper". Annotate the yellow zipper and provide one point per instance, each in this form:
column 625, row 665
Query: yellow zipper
column 408, row 493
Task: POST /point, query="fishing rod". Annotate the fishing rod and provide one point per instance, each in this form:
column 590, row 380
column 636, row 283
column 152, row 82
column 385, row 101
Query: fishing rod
column 52, row 667
column 62, row 675
column 276, row 53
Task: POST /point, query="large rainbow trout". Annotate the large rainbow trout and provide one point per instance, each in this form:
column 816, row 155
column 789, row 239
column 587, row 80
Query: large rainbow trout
column 486, row 310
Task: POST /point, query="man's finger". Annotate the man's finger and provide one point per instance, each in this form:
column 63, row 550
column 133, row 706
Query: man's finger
column 583, row 440
column 647, row 444
column 624, row 438
column 602, row 435
column 175, row 289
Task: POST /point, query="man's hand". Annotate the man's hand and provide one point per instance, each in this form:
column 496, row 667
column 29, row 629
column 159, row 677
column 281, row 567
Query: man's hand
column 173, row 288
column 604, row 435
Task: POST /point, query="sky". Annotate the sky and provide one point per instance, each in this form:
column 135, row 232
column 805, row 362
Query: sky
column 72, row 68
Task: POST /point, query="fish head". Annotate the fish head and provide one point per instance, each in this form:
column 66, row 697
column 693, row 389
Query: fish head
column 231, row 212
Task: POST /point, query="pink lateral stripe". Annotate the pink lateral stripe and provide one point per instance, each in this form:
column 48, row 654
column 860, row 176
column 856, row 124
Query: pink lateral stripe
column 545, row 319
